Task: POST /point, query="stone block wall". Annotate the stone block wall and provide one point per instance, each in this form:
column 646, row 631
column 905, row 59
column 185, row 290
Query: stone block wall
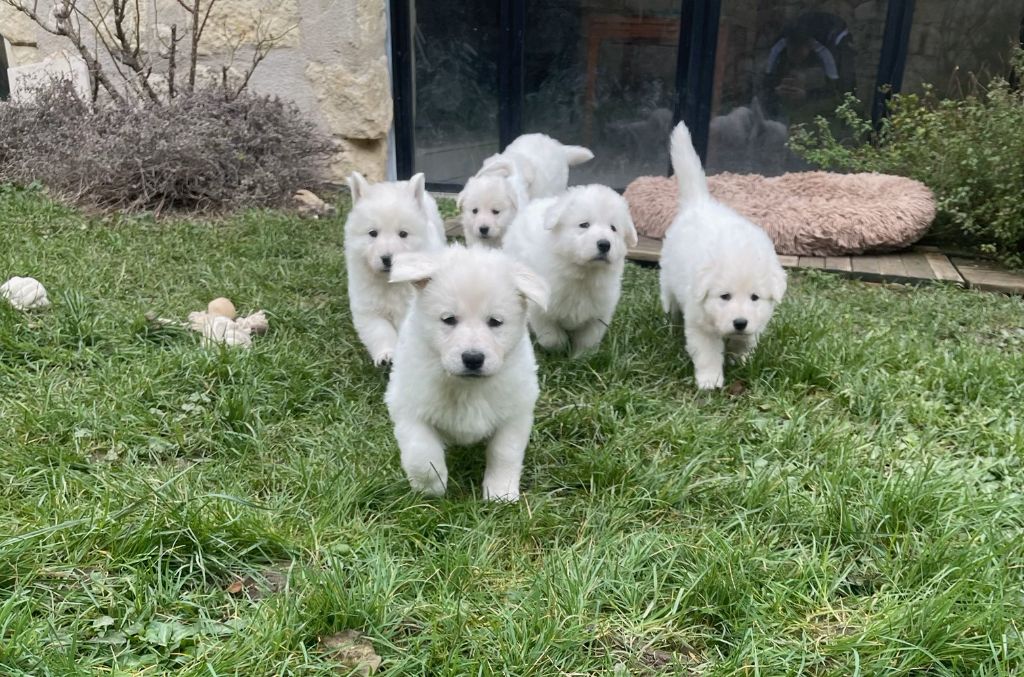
column 330, row 59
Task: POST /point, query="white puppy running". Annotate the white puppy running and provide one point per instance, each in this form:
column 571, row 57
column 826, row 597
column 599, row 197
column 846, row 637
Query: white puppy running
column 718, row 269
column 464, row 368
column 532, row 166
column 386, row 219
column 577, row 243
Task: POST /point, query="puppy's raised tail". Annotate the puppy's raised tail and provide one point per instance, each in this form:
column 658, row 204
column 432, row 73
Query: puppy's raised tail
column 693, row 185
column 577, row 155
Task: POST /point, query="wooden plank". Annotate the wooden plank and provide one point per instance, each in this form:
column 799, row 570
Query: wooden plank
column 789, row 261
column 891, row 267
column 812, row 261
column 648, row 249
column 453, row 228
column 866, row 266
column 989, row 277
column 839, row 263
column 942, row 267
column 917, row 266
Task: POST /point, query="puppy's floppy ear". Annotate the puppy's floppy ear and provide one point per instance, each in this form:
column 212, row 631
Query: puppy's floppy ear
column 630, row 235
column 357, row 185
column 417, row 188
column 497, row 166
column 461, row 197
column 531, row 285
column 778, row 284
column 415, row 267
column 553, row 213
column 702, row 281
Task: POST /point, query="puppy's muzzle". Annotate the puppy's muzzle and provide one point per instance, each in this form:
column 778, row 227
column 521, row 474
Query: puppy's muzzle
column 385, row 262
column 473, row 361
column 739, row 324
column 485, row 232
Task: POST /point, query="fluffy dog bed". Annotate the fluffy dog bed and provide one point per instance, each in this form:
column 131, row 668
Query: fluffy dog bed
column 805, row 214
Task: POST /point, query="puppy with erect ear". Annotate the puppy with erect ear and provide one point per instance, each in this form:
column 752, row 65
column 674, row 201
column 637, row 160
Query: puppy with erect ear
column 718, row 270
column 386, row 219
column 577, row 243
column 464, row 369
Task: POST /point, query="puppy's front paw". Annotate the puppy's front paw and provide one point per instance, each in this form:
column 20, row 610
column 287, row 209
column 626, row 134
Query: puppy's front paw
column 501, row 493
column 383, row 357
column 710, row 380
column 431, row 485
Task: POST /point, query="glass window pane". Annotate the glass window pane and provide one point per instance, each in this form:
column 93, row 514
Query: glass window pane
column 455, row 56
column 952, row 43
column 781, row 64
column 601, row 73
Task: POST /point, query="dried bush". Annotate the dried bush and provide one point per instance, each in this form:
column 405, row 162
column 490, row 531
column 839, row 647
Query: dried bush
column 196, row 152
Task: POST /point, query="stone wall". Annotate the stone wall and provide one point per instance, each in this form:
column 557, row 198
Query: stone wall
column 330, row 59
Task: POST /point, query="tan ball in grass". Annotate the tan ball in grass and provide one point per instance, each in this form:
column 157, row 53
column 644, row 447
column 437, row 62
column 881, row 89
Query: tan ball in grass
column 221, row 307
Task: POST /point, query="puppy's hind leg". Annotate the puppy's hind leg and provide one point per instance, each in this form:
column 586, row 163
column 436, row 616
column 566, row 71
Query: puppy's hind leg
column 378, row 335
column 669, row 305
column 505, row 460
column 588, row 336
column 422, row 457
column 708, row 354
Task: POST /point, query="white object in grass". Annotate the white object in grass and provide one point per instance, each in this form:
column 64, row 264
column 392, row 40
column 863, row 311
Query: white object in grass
column 25, row 293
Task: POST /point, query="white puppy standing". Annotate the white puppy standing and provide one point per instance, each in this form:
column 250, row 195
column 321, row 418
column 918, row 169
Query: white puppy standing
column 718, row 269
column 577, row 243
column 387, row 219
column 532, row 166
column 464, row 368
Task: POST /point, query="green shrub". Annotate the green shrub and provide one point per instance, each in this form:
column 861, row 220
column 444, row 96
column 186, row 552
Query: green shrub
column 969, row 151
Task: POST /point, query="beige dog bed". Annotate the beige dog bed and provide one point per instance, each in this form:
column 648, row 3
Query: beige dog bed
column 805, row 214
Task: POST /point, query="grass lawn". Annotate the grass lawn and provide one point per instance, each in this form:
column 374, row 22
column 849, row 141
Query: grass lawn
column 853, row 505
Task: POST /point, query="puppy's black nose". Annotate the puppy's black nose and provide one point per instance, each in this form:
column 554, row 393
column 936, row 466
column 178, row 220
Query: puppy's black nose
column 740, row 324
column 386, row 260
column 603, row 246
column 473, row 359
column 484, row 230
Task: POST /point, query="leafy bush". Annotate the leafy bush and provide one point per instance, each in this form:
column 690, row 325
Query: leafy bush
column 970, row 152
column 196, row 152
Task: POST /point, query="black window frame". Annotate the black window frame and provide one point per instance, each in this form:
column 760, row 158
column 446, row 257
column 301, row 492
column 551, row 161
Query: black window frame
column 695, row 71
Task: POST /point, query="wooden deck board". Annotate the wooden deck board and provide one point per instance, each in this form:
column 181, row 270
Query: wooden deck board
column 838, row 263
column 789, row 261
column 989, row 277
column 917, row 266
column 866, row 265
column 812, row 262
column 891, row 267
column 942, row 267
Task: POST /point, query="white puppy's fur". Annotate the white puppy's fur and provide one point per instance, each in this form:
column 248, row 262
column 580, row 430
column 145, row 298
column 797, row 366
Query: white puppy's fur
column 718, row 269
column 577, row 243
column 532, row 166
column 386, row 220
column 464, row 368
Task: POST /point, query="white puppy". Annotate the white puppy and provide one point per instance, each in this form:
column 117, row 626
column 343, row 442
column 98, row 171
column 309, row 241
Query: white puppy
column 532, row 166
column 718, row 269
column 386, row 219
column 464, row 369
column 577, row 243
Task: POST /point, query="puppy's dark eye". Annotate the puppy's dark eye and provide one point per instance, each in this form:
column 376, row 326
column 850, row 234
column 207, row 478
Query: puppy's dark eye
column 726, row 297
column 584, row 225
column 475, row 210
column 614, row 230
column 403, row 234
column 373, row 233
column 495, row 211
column 450, row 320
column 754, row 297
column 494, row 322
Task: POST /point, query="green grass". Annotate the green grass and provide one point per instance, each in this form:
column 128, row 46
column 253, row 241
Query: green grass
column 854, row 506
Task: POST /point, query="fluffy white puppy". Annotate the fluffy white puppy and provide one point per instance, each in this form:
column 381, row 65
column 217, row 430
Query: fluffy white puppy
column 464, row 368
column 577, row 243
column 387, row 219
column 490, row 203
column 718, row 269
column 532, row 166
